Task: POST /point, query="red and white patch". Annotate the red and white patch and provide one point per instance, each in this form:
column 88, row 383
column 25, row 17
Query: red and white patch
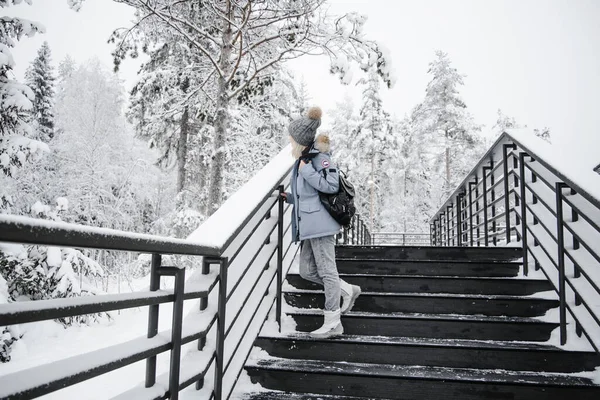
column 325, row 163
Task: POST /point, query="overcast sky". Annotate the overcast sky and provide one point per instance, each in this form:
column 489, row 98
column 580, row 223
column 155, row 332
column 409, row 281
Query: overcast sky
column 537, row 60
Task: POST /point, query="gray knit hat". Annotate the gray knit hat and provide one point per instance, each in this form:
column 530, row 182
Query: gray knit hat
column 304, row 129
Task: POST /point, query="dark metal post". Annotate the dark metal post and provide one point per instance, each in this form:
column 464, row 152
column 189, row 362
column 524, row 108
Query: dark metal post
column 506, row 195
column 449, row 227
column 492, row 200
column 153, row 318
column 442, row 228
column 176, row 328
column 477, row 218
column 345, row 235
column 471, row 212
column 459, row 218
column 559, row 186
column 278, row 304
column 220, row 351
column 353, row 233
column 486, row 236
column 523, row 211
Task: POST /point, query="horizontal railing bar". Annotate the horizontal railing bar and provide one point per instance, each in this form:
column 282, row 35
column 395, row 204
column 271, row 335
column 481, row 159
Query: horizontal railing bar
column 558, row 174
column 584, row 263
column 590, row 214
column 236, row 246
column 41, row 310
column 16, row 229
column 550, row 230
column 572, row 227
column 47, row 378
column 249, row 261
column 545, row 177
column 554, row 283
column 286, row 261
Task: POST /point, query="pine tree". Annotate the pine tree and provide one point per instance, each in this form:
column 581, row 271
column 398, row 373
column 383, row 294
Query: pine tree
column 364, row 146
column 40, row 78
column 445, row 116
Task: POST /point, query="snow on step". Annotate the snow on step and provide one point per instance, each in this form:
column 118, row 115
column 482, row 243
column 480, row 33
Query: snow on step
column 429, row 372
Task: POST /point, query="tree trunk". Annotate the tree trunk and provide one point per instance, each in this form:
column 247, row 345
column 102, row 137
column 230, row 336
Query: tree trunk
column 215, row 195
column 182, row 144
column 448, row 168
column 373, row 193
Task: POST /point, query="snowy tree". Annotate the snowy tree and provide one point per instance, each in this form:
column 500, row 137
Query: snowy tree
column 504, row 122
column 40, row 79
column 40, row 272
column 16, row 146
column 367, row 146
column 245, row 42
column 543, row 134
column 446, row 120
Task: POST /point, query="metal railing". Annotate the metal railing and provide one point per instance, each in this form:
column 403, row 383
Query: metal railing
column 357, row 233
column 514, row 195
column 401, row 239
column 244, row 252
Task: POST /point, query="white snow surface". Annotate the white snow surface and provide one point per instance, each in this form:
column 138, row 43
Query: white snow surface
column 217, row 229
column 18, row 220
column 579, row 169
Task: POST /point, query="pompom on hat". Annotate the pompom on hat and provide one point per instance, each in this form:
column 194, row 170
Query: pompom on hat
column 304, row 129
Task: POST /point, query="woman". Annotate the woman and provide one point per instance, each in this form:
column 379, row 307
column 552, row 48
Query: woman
column 311, row 223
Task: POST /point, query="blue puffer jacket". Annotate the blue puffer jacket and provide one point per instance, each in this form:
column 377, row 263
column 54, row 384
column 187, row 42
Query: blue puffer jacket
column 310, row 219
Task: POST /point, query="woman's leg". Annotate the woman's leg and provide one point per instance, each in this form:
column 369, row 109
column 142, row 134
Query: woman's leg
column 323, row 250
column 308, row 266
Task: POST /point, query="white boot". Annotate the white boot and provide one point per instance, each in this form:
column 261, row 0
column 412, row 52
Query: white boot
column 332, row 326
column 349, row 295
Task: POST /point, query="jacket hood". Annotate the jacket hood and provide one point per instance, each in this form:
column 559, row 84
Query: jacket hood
column 322, row 143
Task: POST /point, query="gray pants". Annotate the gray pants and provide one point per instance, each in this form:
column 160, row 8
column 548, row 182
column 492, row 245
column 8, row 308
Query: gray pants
column 317, row 264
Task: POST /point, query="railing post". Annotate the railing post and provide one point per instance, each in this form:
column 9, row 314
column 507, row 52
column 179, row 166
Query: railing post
column 471, row 184
column 449, row 227
column 506, row 196
column 559, row 186
column 523, row 211
column 477, row 218
column 176, row 328
column 492, row 200
column 220, row 351
column 278, row 304
column 353, row 228
column 153, row 318
column 459, row 218
column 442, row 227
column 486, row 236
column 345, row 235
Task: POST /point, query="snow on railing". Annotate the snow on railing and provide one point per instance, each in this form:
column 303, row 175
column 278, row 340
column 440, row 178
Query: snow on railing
column 524, row 191
column 246, row 251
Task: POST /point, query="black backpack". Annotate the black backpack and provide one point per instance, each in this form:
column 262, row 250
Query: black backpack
column 341, row 204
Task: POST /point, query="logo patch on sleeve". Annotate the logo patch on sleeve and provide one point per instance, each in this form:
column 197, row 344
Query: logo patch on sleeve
column 325, row 163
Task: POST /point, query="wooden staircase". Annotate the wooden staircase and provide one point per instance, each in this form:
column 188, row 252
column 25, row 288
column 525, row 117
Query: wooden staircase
column 432, row 323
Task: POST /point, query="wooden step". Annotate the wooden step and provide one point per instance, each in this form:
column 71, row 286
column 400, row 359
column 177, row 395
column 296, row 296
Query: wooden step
column 276, row 395
column 472, row 254
column 416, row 382
column 428, row 268
column 435, row 284
column 433, row 326
column 455, row 353
column 431, row 303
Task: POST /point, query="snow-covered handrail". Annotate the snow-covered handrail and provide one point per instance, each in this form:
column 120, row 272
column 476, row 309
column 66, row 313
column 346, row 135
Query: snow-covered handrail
column 220, row 228
column 524, row 193
column 246, row 251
